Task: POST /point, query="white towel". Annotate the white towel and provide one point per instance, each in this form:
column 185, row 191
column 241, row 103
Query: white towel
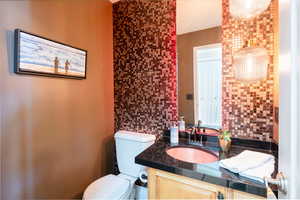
column 260, row 172
column 245, row 161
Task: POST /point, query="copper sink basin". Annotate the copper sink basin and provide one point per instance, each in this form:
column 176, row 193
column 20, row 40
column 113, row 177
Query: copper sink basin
column 192, row 155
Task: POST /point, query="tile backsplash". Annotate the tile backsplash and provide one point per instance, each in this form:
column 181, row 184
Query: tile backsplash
column 145, row 65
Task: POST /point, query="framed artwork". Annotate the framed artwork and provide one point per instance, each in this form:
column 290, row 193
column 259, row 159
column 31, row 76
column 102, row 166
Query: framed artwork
column 38, row 55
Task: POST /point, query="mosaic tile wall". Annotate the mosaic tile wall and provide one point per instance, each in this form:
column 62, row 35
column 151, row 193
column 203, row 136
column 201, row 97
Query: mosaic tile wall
column 248, row 108
column 145, row 65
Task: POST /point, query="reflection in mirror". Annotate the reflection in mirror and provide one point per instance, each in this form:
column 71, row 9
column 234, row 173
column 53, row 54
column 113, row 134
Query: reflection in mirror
column 199, row 58
column 207, row 84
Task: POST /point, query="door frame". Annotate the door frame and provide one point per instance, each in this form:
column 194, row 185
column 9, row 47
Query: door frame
column 196, row 95
column 289, row 95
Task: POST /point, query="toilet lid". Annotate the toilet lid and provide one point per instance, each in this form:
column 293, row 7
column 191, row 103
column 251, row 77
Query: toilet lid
column 107, row 187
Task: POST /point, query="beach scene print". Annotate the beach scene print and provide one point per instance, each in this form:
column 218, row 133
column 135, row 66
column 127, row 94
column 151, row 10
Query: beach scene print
column 41, row 55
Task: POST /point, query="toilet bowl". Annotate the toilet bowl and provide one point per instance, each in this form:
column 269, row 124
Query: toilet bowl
column 110, row 187
column 121, row 186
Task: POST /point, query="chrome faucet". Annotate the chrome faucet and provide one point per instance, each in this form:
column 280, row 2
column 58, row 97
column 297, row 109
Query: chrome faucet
column 193, row 134
column 199, row 130
column 194, row 137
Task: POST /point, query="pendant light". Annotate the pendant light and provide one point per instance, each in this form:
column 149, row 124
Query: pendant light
column 251, row 62
column 246, row 9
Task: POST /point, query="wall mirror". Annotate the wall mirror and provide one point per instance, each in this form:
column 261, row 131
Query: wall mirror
column 216, row 83
column 199, row 59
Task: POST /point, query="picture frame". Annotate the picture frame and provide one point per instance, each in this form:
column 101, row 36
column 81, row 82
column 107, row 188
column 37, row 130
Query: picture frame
column 38, row 55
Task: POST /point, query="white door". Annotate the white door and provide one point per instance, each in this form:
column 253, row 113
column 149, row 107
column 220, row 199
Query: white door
column 289, row 114
column 207, row 84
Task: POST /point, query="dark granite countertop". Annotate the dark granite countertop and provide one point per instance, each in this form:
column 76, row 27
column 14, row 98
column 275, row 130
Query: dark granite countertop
column 156, row 157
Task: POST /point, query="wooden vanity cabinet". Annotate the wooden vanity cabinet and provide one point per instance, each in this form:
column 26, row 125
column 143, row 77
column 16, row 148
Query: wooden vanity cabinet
column 165, row 185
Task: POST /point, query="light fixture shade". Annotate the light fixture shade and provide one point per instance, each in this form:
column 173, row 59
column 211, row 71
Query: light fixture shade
column 251, row 64
column 246, row 9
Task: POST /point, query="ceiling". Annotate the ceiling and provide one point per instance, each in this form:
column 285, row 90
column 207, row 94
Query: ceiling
column 194, row 15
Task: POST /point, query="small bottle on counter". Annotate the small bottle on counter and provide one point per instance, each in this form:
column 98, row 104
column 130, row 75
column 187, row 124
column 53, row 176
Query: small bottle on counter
column 174, row 134
column 181, row 124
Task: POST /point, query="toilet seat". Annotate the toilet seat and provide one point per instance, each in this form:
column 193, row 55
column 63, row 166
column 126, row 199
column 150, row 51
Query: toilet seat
column 110, row 187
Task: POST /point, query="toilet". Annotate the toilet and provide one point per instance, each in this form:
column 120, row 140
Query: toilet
column 121, row 186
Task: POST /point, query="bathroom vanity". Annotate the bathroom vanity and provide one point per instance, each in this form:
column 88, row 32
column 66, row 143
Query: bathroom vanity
column 162, row 182
column 200, row 181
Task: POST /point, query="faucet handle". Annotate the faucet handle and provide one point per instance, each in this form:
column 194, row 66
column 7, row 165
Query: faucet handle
column 199, row 123
column 193, row 132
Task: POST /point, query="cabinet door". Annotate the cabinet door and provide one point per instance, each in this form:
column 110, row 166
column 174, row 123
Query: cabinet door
column 164, row 185
column 243, row 195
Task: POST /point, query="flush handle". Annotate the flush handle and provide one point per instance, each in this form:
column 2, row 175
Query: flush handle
column 280, row 181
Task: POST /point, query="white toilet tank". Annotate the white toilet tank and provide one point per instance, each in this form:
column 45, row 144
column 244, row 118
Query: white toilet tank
column 128, row 146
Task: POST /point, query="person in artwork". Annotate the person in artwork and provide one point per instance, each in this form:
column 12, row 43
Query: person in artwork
column 67, row 66
column 56, row 64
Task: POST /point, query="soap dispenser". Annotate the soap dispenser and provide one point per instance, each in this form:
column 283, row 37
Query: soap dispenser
column 181, row 124
column 174, row 136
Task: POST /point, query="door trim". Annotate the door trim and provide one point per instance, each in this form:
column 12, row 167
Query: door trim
column 289, row 95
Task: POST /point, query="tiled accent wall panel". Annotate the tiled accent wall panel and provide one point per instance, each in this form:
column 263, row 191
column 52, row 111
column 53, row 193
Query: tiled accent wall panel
column 248, row 108
column 145, row 65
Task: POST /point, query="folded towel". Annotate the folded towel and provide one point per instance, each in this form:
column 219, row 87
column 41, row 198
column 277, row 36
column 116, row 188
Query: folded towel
column 245, row 161
column 258, row 173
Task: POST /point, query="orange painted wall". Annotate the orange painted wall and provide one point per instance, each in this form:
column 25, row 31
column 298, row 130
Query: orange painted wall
column 56, row 134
